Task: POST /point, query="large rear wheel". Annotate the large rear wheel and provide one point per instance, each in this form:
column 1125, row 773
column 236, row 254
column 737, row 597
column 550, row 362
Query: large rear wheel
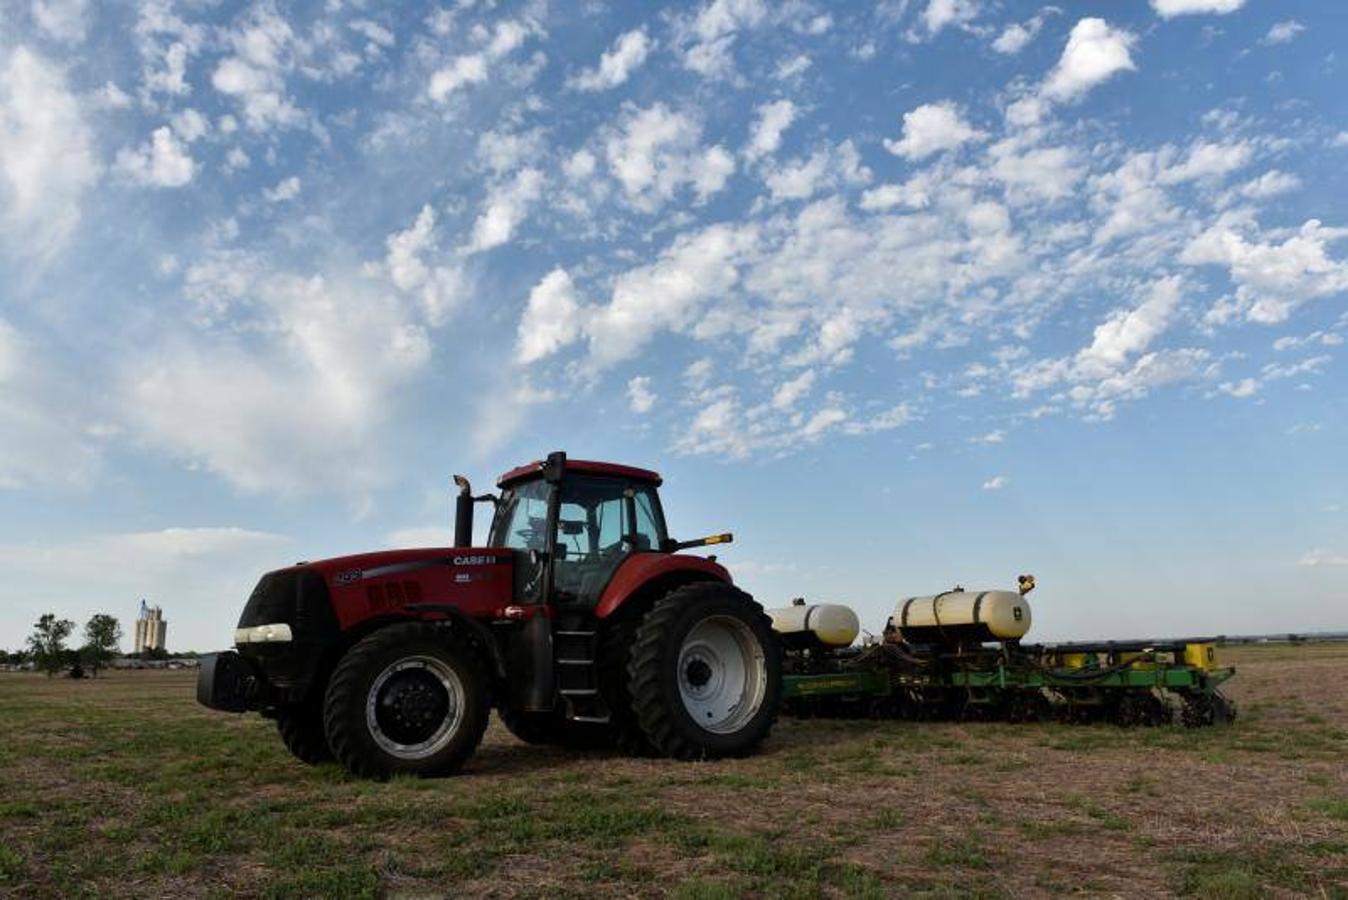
column 410, row 698
column 705, row 673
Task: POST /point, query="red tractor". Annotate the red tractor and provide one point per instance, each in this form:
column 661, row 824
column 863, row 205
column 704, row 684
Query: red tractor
column 580, row 622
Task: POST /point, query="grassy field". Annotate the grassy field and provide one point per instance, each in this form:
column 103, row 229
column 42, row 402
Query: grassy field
column 125, row 786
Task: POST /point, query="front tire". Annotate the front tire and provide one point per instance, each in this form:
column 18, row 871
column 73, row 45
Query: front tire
column 705, row 673
column 301, row 728
column 408, row 699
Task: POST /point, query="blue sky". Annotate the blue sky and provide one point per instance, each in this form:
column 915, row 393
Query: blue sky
column 904, row 294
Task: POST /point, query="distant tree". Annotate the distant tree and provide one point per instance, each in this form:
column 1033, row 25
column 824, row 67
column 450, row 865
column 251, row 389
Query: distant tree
column 47, row 643
column 155, row 653
column 102, row 636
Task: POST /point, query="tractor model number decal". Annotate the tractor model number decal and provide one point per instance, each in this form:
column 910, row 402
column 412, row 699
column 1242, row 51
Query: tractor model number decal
column 348, row 576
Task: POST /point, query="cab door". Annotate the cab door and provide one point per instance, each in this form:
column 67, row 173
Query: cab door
column 600, row 523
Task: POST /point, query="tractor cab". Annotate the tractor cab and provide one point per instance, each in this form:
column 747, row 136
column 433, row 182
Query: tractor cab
column 571, row 525
column 576, row 526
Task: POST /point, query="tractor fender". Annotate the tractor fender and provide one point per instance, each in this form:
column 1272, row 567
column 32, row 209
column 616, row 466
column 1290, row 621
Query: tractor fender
column 642, row 569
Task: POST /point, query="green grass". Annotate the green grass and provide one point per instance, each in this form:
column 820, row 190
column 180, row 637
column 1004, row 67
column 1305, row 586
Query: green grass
column 128, row 778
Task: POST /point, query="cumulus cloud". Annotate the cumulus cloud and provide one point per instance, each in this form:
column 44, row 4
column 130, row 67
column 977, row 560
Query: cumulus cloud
column 772, row 120
column 1274, row 273
column 1016, row 36
column 506, row 208
column 640, row 398
column 932, row 128
column 707, row 39
column 1283, row 32
column 1168, row 9
column 1095, row 52
column 828, row 167
column 655, row 151
column 440, row 288
column 163, row 162
column 551, row 320
column 996, row 483
column 47, row 157
column 62, row 20
column 628, row 53
column 473, row 68
column 939, row 14
column 285, row 189
column 255, row 73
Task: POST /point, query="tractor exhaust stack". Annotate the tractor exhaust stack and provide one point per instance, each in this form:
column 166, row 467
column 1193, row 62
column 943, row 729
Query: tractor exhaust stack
column 463, row 513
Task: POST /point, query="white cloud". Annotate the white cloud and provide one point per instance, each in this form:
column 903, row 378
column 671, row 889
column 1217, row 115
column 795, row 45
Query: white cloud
column 1130, row 331
column 1271, row 184
column 788, row 392
column 1095, row 52
column 996, row 483
column 63, row 20
column 1170, row 8
column 286, row 189
column 932, row 128
column 1323, row 558
column 640, row 398
column 47, row 159
column 668, row 293
column 1273, row 274
column 790, row 68
column 800, row 179
column 1283, row 32
column 506, row 208
column 708, row 39
column 773, row 119
column 298, row 374
column 655, row 151
column 1246, row 387
column 551, row 320
column 255, row 74
column 164, row 162
column 473, row 68
column 616, row 65
column 942, row 13
column 1018, row 35
column 992, row 437
column 441, row 289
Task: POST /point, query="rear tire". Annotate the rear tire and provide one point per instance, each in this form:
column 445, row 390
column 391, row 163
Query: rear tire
column 408, row 699
column 301, row 728
column 705, row 673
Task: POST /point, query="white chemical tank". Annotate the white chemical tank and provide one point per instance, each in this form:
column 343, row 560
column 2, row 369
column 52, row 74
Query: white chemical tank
column 962, row 617
column 819, row 625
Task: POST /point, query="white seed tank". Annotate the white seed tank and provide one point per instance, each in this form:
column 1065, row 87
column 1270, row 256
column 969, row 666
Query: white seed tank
column 961, row 617
column 819, row 624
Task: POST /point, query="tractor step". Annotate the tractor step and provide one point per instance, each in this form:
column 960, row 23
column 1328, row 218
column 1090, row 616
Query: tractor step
column 593, row 720
column 575, row 662
column 578, row 692
column 561, row 633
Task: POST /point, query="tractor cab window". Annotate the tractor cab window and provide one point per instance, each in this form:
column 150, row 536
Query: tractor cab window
column 600, row 522
column 521, row 522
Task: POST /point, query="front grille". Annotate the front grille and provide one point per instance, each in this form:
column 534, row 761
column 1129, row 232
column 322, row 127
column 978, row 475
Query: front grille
column 298, row 597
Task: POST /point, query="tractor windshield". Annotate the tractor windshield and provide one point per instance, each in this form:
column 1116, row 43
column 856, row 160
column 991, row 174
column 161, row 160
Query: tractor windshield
column 521, row 521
